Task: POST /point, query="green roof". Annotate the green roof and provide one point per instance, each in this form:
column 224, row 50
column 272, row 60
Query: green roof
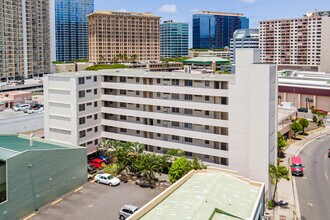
column 11, row 145
column 207, row 60
column 209, row 196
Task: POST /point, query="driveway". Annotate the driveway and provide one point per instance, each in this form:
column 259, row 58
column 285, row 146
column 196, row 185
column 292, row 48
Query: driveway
column 314, row 188
column 97, row 201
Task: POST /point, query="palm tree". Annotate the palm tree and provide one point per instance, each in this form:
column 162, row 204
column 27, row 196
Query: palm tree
column 133, row 58
column 276, row 174
column 173, row 153
column 108, row 146
column 148, row 164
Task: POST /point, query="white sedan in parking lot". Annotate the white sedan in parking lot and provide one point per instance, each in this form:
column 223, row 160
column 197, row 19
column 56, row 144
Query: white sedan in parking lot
column 107, row 179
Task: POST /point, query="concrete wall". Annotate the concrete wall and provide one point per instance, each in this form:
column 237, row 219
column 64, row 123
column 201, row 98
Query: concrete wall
column 22, row 123
column 39, row 176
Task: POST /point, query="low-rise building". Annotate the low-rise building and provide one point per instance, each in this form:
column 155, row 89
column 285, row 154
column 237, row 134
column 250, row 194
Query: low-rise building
column 207, row 194
column 9, row 99
column 304, row 89
column 224, row 54
column 34, row 172
column 223, row 119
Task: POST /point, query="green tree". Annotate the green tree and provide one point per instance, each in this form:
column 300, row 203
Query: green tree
column 281, row 143
column 108, row 147
column 296, row 127
column 148, row 165
column 304, row 124
column 197, row 164
column 180, row 167
column 133, row 58
column 276, row 174
column 112, row 169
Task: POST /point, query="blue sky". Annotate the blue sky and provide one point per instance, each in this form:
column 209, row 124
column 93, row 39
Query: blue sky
column 182, row 10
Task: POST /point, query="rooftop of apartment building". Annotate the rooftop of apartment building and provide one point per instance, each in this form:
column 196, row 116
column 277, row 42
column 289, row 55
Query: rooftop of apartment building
column 221, row 13
column 307, row 16
column 124, row 14
column 193, row 75
column 208, row 194
column 319, row 80
column 241, row 33
column 174, row 21
column 12, row 144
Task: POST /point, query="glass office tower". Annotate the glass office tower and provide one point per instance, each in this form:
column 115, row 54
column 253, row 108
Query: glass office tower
column 71, row 27
column 213, row 30
column 173, row 39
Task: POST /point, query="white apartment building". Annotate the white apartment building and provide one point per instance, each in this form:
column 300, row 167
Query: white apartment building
column 243, row 38
column 297, row 44
column 228, row 121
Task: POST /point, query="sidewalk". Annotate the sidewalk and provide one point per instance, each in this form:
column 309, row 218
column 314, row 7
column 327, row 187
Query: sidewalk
column 287, row 189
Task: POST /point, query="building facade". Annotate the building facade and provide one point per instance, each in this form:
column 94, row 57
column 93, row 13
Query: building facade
column 243, row 38
column 72, row 29
column 305, row 89
column 201, row 114
column 24, row 39
column 213, row 30
column 297, row 44
column 123, row 36
column 174, row 39
column 224, row 54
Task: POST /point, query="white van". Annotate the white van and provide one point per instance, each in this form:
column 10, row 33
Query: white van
column 21, row 107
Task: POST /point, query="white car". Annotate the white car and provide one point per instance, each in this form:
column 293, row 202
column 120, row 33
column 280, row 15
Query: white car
column 21, row 107
column 39, row 110
column 107, row 179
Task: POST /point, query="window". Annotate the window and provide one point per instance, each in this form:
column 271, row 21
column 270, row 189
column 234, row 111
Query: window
column 123, row 117
column 188, row 125
column 207, row 142
column 123, row 130
column 96, row 129
column 89, row 129
column 82, row 107
column 158, row 94
column 188, row 83
column 95, row 117
column 175, row 124
column 175, row 96
column 88, row 78
column 224, row 100
column 188, row 97
column 81, row 94
column 158, row 81
column 158, row 121
column 207, row 113
column 88, row 104
column 158, row 135
column 207, row 127
column 188, row 111
column 122, row 92
column 176, row 138
column 224, row 161
column 207, row 83
column 88, row 91
column 95, row 78
column 137, row 119
column 96, row 142
column 175, row 110
column 95, row 104
column 95, row 91
column 82, row 134
column 207, row 98
column 186, row 139
column 207, row 156
column 82, row 120
column 138, row 132
column 224, row 146
column 158, row 148
column 137, row 80
column 122, row 79
column 81, row 80
column 123, row 105
column 158, row 108
column 189, row 154
column 137, row 105
column 137, row 92
column 89, row 117
column 175, row 82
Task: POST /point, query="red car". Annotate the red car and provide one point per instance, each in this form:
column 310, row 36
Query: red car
column 96, row 162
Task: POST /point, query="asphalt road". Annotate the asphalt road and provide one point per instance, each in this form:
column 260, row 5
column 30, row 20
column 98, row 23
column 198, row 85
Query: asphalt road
column 314, row 188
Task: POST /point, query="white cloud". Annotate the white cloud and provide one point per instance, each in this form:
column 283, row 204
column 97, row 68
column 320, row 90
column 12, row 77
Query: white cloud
column 167, row 9
column 249, row 1
column 195, row 10
column 121, row 10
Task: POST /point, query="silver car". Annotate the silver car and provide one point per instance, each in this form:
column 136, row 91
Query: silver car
column 126, row 211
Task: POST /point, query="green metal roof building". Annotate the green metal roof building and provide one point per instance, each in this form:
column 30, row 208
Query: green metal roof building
column 33, row 172
column 211, row 194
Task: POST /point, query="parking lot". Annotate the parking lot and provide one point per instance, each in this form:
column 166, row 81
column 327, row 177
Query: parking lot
column 96, row 201
column 10, row 113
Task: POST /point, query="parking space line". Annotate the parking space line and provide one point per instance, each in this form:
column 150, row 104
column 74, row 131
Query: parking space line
column 326, row 176
column 80, row 188
column 325, row 156
column 30, row 216
column 57, row 201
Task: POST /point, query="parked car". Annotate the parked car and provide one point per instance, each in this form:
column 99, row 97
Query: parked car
column 328, row 153
column 296, row 166
column 104, row 158
column 21, row 107
column 36, row 110
column 126, row 211
column 303, row 110
column 96, row 162
column 34, row 106
column 91, row 169
column 106, row 178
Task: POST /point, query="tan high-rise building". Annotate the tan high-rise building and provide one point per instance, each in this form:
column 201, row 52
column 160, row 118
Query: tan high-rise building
column 112, row 34
column 297, row 44
column 24, row 38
